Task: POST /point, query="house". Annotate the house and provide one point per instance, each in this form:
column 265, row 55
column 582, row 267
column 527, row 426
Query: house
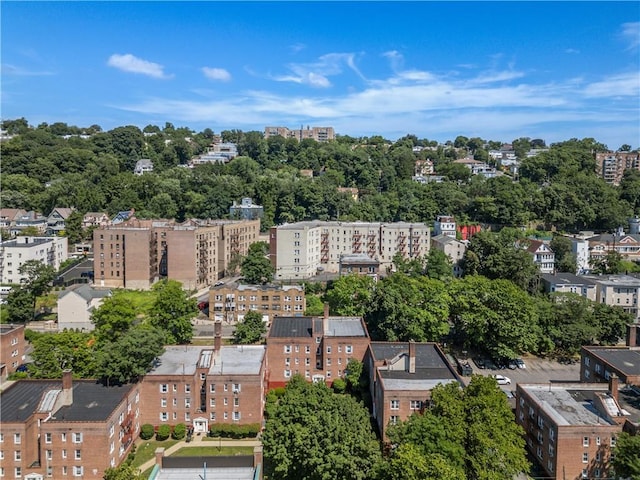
column 14, row 253
column 247, row 210
column 56, row 219
column 401, row 377
column 445, row 225
column 618, row 290
column 12, row 349
column 423, row 168
column 626, row 244
column 319, row 134
column 352, row 192
column 76, row 305
column 612, row 165
column 453, row 248
column 478, row 168
column 217, row 152
column 360, row 264
column 317, row 348
column 95, row 219
column 122, row 216
column 200, row 386
column 542, row 255
column 66, row 428
column 231, row 301
column 144, row 165
column 9, row 216
column 562, row 282
column 571, row 428
column 29, row 219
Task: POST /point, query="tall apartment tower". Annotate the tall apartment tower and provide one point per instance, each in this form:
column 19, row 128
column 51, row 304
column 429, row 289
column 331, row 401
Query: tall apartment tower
column 137, row 253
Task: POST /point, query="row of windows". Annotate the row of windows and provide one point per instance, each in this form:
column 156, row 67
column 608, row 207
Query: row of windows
column 76, row 437
column 77, row 471
column 236, row 416
column 17, row 454
column 413, row 404
column 307, row 348
column 307, row 373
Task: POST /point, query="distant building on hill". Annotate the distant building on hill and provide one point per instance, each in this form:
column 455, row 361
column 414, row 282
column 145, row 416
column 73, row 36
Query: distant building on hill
column 319, row 134
column 246, row 210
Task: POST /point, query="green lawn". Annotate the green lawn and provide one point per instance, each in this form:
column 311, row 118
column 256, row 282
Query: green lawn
column 142, row 300
column 146, row 450
column 211, row 451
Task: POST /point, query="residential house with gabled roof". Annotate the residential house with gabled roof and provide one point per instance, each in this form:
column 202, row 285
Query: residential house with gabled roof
column 95, row 219
column 626, row 244
column 76, row 305
column 66, row 428
column 56, row 220
column 29, row 219
column 542, row 255
column 9, row 216
column 401, row 377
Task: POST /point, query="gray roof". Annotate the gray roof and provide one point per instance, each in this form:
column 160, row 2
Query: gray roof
column 92, row 401
column 236, row 473
column 87, row 292
column 358, row 258
column 257, row 288
column 33, row 241
column 238, row 360
column 321, row 223
column 443, row 239
column 612, row 280
column 566, row 279
column 625, row 360
column 177, row 360
column 283, row 327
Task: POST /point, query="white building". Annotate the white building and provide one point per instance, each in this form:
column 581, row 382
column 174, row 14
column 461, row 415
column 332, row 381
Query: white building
column 144, row 165
column 305, row 249
column 445, row 225
column 14, row 253
column 75, row 306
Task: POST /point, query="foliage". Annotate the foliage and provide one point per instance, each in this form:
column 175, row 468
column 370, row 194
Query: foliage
column 316, row 434
column 114, row 317
column 627, row 456
column 315, row 306
column 472, row 431
column 564, row 258
column 123, row 472
column 439, row 265
column 179, row 431
column 172, row 311
column 163, row 433
column 130, row 356
column 610, row 264
column 146, row 431
column 256, row 267
column 409, row 308
column 350, row 295
column 339, row 385
column 54, row 352
column 231, row 430
column 407, row 462
column 250, row 329
column 20, row 305
column 39, row 277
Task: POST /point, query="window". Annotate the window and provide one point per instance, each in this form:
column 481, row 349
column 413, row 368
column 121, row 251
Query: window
column 212, row 388
column 585, row 441
column 540, row 422
column 416, row 404
column 613, row 441
column 77, row 471
column 164, row 416
column 318, row 339
column 17, row 455
column 18, row 472
column 236, row 402
column 77, row 437
column 551, row 450
column 175, row 387
column 393, row 419
column 1, row 437
column 226, row 387
column 395, row 404
column 175, row 402
column 596, row 473
column 78, row 455
column 47, row 438
column 307, row 349
column 187, row 417
column 187, row 403
column 328, row 349
column 287, row 349
column 348, row 349
column 287, row 361
column 64, row 453
column 236, row 416
column 287, row 373
column 64, row 470
column 164, row 388
column 17, row 439
column 585, row 457
column 187, row 389
column 587, row 361
column 203, row 376
column 49, row 454
column 236, row 388
column 584, row 473
column 597, row 440
column 225, row 401
column 163, row 402
column 212, row 416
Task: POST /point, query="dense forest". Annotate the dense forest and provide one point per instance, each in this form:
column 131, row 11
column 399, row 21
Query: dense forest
column 92, row 170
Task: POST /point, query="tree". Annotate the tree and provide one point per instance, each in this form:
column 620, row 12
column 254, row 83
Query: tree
column 146, row 431
column 20, row 305
column 250, row 330
column 163, row 432
column 114, row 317
column 256, row 267
column 563, row 252
column 627, row 456
column 350, row 295
column 610, row 264
column 314, row 434
column 53, row 353
column 572, row 323
column 408, row 463
column 123, row 472
column 130, row 356
column 38, row 277
column 73, row 227
column 355, row 376
column 172, row 311
column 439, row 265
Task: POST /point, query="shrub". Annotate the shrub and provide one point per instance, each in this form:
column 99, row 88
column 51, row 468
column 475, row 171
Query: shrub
column 179, row 431
column 279, row 392
column 226, row 430
column 339, row 385
column 146, row 431
column 164, row 431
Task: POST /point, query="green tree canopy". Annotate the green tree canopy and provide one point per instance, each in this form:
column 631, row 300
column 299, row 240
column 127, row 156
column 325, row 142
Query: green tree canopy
column 626, row 462
column 350, row 295
column 256, row 267
column 53, row 353
column 314, row 434
column 114, row 317
column 250, row 329
column 172, row 311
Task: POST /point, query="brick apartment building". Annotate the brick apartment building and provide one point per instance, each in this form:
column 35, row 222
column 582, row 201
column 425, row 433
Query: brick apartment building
column 319, row 134
column 198, row 386
column 137, row 253
column 401, row 377
column 68, row 428
column 612, row 165
column 12, row 349
column 317, row 348
column 597, row 363
column 305, row 249
column 230, row 302
column 570, row 428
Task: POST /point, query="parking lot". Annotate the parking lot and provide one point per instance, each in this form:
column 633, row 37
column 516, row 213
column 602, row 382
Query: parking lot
column 538, row 370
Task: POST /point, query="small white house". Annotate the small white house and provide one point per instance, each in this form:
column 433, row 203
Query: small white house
column 76, row 304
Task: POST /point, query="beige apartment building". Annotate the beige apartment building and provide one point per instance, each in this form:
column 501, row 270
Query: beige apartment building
column 137, row 253
column 319, row 134
column 14, row 253
column 231, row 302
column 612, row 165
column 305, row 249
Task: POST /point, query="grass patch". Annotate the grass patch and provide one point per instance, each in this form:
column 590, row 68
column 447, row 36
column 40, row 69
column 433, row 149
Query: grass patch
column 212, row 451
column 47, row 302
column 142, row 300
column 146, row 450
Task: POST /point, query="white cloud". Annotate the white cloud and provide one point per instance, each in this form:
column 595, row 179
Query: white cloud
column 395, row 59
column 631, row 34
column 625, row 84
column 571, row 51
column 133, row 64
column 8, row 69
column 317, row 74
column 216, row 74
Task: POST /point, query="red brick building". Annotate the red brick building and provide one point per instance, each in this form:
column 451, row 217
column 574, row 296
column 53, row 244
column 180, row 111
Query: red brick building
column 571, row 428
column 12, row 348
column 401, row 377
column 317, row 348
column 199, row 386
column 68, row 428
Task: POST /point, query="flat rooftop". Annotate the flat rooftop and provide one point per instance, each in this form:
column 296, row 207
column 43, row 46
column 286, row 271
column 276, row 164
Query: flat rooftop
column 285, row 327
column 234, row 473
column 92, row 401
column 624, row 359
column 177, row 360
column 566, row 279
column 238, row 360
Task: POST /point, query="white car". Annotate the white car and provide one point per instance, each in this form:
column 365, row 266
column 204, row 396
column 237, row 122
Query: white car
column 520, row 363
column 502, row 380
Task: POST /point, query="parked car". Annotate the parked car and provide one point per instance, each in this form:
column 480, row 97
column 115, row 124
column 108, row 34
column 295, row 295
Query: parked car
column 217, row 284
column 502, row 380
column 520, row 363
column 480, row 363
column 513, row 364
column 508, row 393
column 490, row 364
column 203, row 306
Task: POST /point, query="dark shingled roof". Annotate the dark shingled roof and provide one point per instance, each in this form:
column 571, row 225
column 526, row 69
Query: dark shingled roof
column 92, row 401
column 291, row 327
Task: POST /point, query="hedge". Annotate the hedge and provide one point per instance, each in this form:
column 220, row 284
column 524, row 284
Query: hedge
column 230, row 430
column 179, row 431
column 164, row 431
column 146, row 431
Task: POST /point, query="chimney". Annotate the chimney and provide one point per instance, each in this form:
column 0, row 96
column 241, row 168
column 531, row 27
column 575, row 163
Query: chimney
column 412, row 356
column 257, row 456
column 613, row 386
column 632, row 335
column 67, row 388
column 159, row 456
column 217, row 332
column 325, row 319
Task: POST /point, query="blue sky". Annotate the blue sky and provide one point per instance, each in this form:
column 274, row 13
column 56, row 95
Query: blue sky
column 500, row 71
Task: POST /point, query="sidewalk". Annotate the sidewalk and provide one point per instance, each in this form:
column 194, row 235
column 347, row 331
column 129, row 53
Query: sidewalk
column 198, row 441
